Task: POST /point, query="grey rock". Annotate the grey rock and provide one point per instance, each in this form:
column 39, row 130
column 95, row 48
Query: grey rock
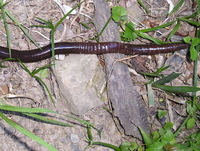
column 74, row 138
column 80, row 79
column 74, row 147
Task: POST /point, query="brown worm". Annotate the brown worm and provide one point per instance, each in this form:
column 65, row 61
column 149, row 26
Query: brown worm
column 90, row 48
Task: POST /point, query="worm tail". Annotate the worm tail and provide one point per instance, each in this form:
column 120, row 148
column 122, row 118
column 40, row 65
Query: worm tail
column 152, row 49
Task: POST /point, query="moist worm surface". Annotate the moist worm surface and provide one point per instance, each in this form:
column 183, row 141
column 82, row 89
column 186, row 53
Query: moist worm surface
column 90, row 48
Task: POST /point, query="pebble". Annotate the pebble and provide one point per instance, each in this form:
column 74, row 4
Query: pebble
column 2, row 131
column 74, row 138
column 75, row 147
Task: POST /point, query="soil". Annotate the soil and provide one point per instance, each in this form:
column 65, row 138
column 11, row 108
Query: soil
column 27, row 92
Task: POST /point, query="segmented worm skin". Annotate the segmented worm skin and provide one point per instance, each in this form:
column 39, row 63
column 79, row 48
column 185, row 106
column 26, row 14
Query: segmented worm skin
column 90, row 48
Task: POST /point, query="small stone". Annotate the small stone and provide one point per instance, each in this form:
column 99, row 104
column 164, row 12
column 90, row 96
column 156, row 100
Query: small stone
column 75, row 147
column 80, row 79
column 74, row 138
column 2, row 131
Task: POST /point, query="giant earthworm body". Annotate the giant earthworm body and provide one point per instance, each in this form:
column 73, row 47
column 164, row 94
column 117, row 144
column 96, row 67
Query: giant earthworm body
column 90, row 48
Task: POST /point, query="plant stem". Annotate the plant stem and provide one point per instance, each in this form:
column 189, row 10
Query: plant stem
column 2, row 5
column 196, row 68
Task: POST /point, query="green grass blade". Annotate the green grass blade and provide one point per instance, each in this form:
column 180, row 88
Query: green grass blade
column 84, row 25
column 81, row 121
column 49, row 24
column 182, row 125
column 24, row 109
column 3, row 4
column 39, row 79
column 42, row 26
column 195, row 74
column 156, row 146
column 89, row 133
column 147, row 139
column 21, row 27
column 41, row 68
column 104, row 27
column 53, row 46
column 190, row 21
column 25, row 68
column 157, row 27
column 61, row 20
column 107, row 145
column 177, row 89
column 150, row 95
column 142, row 5
column 174, row 30
column 151, row 74
column 49, row 93
column 176, row 7
column 161, row 69
column 7, row 59
column 145, row 36
column 42, row 118
column 166, row 79
column 27, row 133
column 3, row 13
column 191, row 16
column 198, row 3
column 157, row 73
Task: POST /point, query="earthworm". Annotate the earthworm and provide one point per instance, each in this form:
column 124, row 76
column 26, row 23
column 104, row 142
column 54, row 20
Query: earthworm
column 90, row 48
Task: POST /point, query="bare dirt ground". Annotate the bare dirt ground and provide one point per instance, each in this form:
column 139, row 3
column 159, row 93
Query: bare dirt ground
column 29, row 93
